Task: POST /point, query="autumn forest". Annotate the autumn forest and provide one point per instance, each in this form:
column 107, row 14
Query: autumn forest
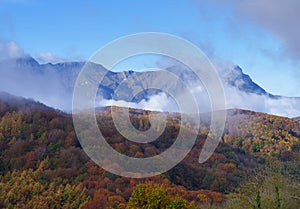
column 42, row 164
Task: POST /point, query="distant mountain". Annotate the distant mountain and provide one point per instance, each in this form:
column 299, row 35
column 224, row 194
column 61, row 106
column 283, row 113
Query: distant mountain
column 53, row 84
column 69, row 71
column 243, row 82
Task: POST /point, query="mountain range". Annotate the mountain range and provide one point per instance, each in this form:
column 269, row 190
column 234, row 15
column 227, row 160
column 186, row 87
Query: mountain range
column 40, row 149
column 53, row 85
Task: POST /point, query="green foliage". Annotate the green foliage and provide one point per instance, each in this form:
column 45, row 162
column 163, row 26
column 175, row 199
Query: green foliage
column 12, row 125
column 262, row 133
column 149, row 196
column 208, row 180
column 257, row 201
column 22, row 189
column 257, row 146
column 238, row 142
column 259, row 191
column 277, row 196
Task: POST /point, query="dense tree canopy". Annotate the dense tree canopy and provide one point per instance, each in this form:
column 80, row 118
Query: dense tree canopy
column 42, row 164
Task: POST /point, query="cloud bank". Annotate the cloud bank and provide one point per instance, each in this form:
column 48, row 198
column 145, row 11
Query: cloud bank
column 282, row 106
column 235, row 97
column 159, row 102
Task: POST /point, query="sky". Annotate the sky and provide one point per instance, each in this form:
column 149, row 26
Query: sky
column 261, row 36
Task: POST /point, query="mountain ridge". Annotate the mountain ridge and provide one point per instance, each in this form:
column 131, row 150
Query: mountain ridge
column 20, row 103
column 53, row 84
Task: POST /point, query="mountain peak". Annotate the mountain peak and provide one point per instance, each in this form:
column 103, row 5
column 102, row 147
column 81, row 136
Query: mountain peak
column 237, row 78
column 28, row 61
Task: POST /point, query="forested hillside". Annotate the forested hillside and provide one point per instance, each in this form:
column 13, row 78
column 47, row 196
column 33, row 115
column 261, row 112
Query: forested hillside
column 42, row 164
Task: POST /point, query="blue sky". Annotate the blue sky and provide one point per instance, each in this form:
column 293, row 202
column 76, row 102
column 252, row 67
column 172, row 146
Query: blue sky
column 260, row 36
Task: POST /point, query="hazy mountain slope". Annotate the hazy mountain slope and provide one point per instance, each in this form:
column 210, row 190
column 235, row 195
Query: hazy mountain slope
column 68, row 72
column 53, row 84
column 19, row 103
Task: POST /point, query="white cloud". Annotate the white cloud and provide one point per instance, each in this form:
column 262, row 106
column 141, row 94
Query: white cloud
column 284, row 106
column 280, row 17
column 159, row 102
column 48, row 57
column 235, row 98
column 10, row 50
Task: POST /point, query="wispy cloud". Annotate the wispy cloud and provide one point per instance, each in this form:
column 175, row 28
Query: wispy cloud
column 283, row 106
column 10, row 50
column 159, row 102
column 280, row 17
column 48, row 57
